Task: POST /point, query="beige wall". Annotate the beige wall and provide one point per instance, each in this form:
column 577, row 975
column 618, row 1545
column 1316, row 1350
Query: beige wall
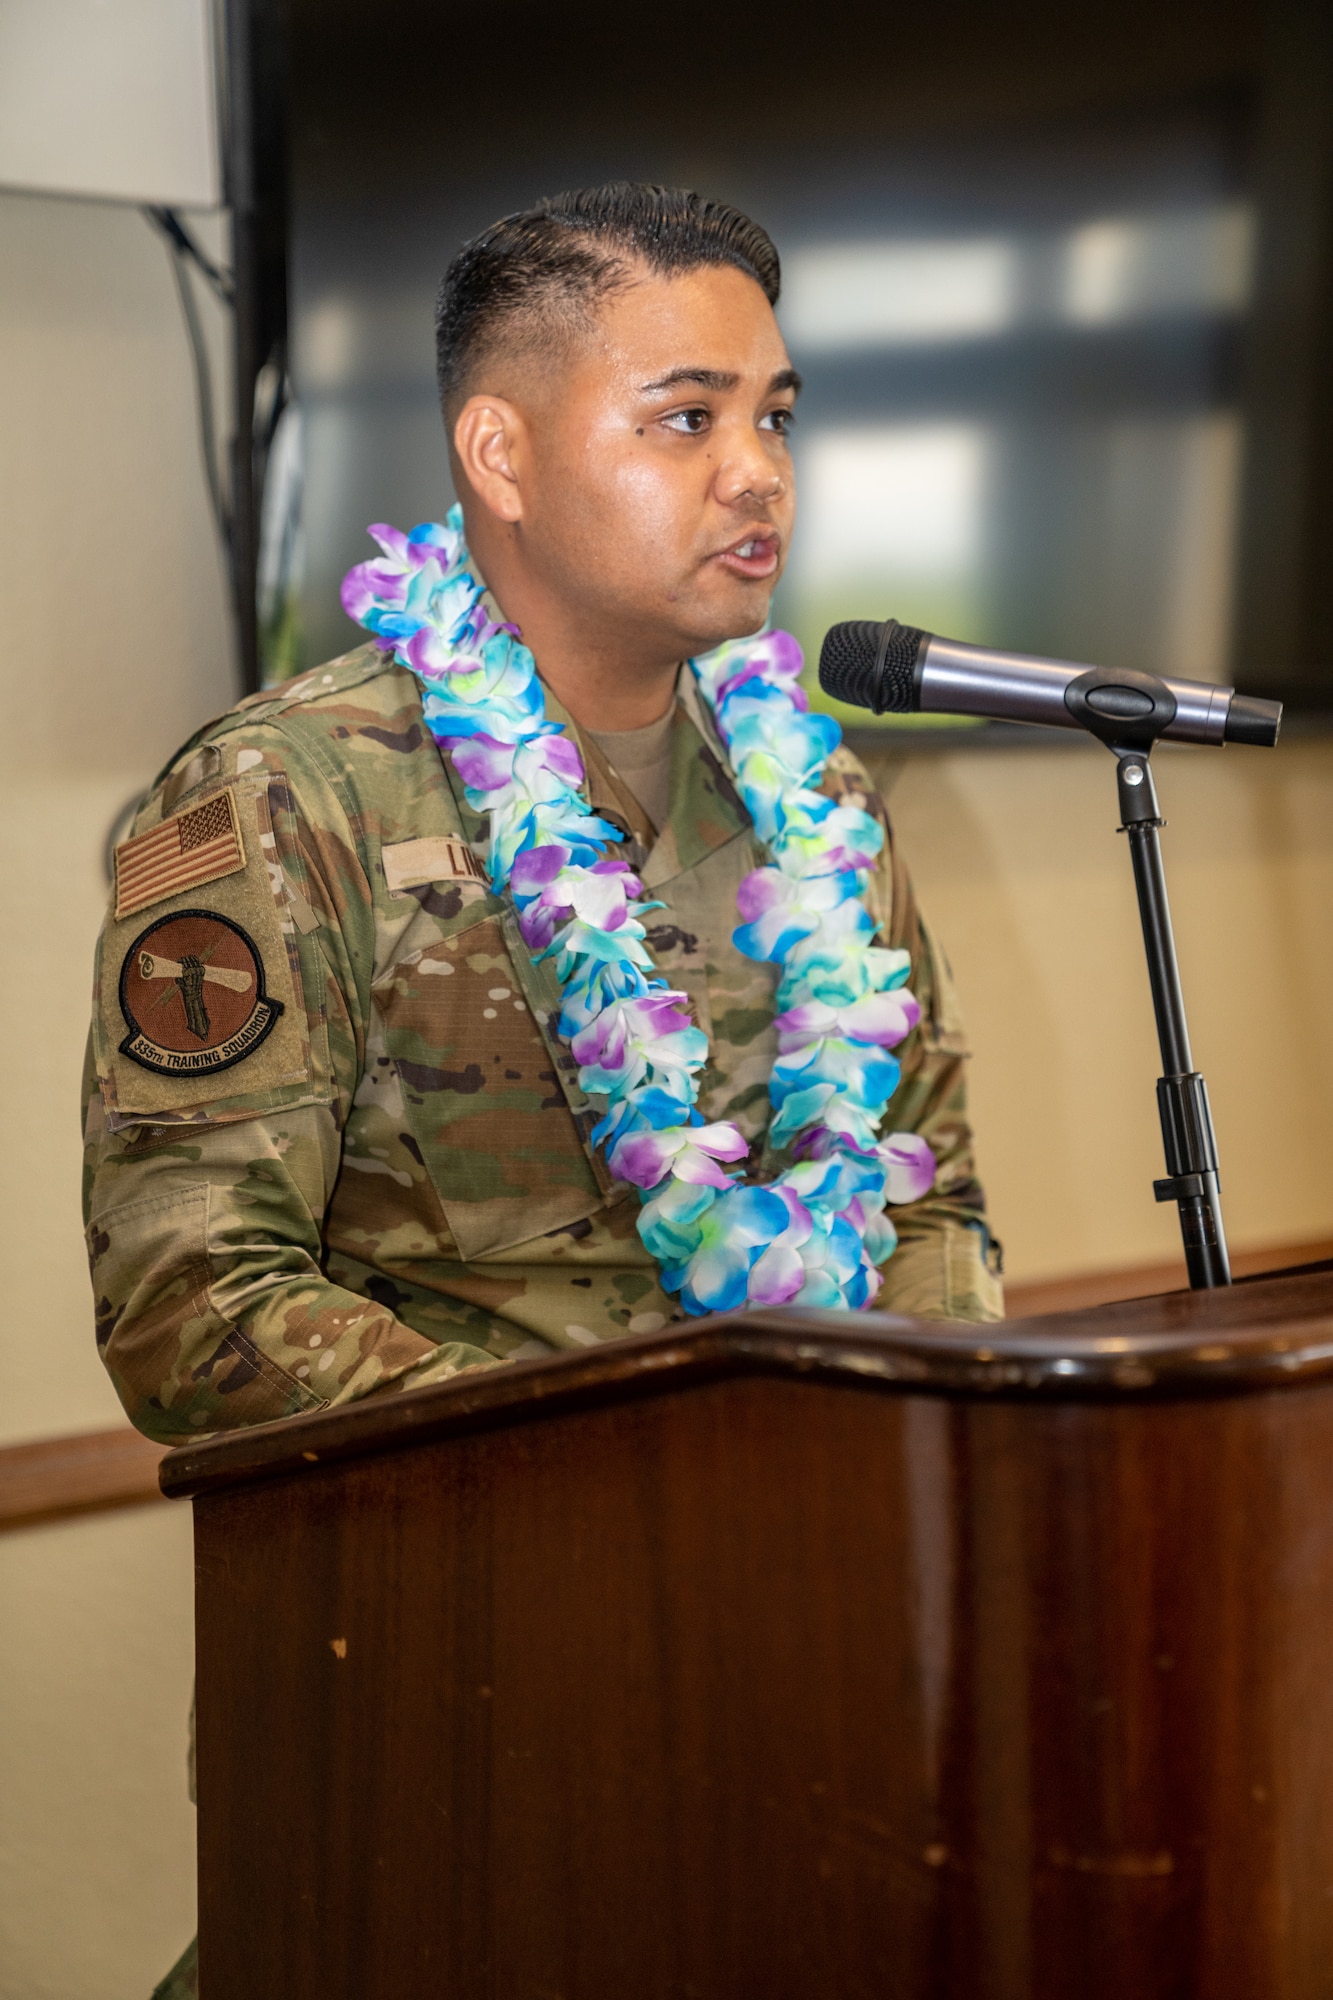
column 111, row 602
column 115, row 647
column 96, row 1830
column 1026, row 881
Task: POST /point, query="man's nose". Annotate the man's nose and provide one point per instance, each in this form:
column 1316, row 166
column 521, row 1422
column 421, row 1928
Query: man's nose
column 748, row 468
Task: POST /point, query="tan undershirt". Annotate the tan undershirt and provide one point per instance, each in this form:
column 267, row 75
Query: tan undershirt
column 642, row 757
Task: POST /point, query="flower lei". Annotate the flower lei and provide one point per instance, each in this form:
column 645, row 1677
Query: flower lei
column 816, row 1233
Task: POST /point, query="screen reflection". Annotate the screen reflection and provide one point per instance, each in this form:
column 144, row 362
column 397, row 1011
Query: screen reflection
column 1023, row 421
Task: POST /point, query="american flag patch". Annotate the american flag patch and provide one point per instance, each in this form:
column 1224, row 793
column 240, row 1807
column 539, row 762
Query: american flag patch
column 190, row 848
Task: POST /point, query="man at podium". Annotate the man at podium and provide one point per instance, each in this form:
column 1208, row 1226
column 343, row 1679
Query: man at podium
column 453, row 1007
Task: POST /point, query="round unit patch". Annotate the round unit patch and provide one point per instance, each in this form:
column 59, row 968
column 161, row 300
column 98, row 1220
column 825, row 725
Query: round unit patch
column 192, row 993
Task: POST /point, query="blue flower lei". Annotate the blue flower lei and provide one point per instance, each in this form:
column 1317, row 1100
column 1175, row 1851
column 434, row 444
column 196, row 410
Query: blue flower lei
column 817, row 1232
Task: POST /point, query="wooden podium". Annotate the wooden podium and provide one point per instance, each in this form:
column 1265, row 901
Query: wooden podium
column 788, row 1656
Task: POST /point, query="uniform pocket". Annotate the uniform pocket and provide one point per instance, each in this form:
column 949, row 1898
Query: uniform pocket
column 502, row 1131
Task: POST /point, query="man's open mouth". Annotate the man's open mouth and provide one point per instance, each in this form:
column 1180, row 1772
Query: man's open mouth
column 755, row 557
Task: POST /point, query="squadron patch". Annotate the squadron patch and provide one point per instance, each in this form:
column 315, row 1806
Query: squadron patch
column 192, row 993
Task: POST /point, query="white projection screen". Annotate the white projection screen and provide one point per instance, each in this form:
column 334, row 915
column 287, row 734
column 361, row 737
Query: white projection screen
column 114, row 99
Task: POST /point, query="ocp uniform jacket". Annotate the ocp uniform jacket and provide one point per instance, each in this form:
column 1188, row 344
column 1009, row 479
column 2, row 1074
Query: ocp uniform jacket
column 375, row 1166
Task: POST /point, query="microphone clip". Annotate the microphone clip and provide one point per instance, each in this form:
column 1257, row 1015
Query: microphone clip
column 1138, row 793
column 1124, row 709
column 1127, row 711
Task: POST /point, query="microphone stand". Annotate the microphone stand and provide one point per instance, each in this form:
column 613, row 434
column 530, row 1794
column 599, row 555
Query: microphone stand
column 1128, row 712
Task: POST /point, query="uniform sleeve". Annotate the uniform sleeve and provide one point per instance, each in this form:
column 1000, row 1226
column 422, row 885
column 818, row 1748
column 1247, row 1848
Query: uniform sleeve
column 205, row 1197
column 947, row 1264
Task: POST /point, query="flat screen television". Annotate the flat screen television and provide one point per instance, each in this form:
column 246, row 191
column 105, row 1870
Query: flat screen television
column 1058, row 281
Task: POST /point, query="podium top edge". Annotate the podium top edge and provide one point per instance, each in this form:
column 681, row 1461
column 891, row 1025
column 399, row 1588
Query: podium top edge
column 1271, row 1333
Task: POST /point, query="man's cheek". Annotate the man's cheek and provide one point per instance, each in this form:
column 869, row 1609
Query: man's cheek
column 650, row 485
column 653, row 522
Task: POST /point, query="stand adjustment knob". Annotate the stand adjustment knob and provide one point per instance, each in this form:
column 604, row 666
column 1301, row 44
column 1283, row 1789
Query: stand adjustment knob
column 1178, row 1187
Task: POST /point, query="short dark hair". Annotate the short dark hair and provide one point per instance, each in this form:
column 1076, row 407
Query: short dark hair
column 532, row 278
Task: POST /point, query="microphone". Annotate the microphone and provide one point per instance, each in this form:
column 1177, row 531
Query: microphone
column 895, row 669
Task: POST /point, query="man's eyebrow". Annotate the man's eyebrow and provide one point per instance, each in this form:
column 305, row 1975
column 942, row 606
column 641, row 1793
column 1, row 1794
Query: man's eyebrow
column 701, row 378
column 719, row 379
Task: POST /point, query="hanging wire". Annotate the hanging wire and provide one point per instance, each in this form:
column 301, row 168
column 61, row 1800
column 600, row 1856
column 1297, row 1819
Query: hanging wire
column 275, row 429
column 171, row 226
column 184, row 251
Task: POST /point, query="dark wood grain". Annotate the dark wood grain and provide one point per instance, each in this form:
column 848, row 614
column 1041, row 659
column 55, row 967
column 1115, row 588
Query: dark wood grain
column 50, row 1479
column 794, row 1678
column 1274, row 1331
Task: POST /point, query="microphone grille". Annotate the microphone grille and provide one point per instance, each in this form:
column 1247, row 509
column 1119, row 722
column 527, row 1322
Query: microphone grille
column 872, row 665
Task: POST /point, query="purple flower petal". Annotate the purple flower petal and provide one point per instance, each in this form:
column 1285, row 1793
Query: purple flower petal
column 538, row 926
column 694, row 1166
column 428, row 654
column 538, row 866
column 562, row 757
column 392, row 540
column 758, row 893
column 777, row 1276
column 724, row 1142
column 370, row 586
column 484, row 763
column 910, row 1164
column 643, row 1158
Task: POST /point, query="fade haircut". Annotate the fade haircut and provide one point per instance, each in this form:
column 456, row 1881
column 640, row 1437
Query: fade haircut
column 530, row 283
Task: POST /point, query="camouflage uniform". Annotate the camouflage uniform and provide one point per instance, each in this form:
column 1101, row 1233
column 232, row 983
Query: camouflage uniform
column 182, row 1982
column 376, row 1167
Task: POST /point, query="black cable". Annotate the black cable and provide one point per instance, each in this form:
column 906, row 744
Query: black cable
column 272, row 394
column 171, row 226
column 182, row 253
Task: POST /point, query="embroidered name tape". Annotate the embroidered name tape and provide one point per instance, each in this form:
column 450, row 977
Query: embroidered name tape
column 190, row 848
column 410, row 863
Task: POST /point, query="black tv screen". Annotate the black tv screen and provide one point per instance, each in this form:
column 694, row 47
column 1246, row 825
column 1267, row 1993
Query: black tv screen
column 1055, row 279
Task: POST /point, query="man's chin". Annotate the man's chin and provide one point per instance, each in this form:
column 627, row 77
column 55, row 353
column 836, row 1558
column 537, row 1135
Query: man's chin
column 714, row 624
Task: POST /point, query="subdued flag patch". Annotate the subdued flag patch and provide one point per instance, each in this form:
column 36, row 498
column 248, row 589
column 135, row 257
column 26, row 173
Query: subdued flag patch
column 184, row 851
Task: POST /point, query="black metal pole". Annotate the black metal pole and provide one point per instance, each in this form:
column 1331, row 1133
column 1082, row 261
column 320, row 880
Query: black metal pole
column 256, row 155
column 246, row 358
column 1182, row 1096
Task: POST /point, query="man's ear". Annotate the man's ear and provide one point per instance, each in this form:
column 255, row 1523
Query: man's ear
column 490, row 436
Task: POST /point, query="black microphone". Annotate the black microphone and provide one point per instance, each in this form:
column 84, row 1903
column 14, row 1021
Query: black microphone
column 895, row 669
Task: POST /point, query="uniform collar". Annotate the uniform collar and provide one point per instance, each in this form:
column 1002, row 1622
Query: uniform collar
column 705, row 809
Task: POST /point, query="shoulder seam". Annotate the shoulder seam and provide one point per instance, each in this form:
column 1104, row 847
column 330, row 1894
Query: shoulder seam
column 268, row 703
column 310, row 687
